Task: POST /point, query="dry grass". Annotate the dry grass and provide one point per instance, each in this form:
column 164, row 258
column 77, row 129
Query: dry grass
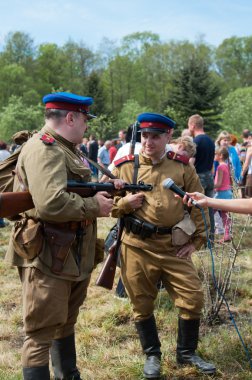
column 107, row 344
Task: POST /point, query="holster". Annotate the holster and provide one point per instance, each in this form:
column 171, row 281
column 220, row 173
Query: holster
column 59, row 240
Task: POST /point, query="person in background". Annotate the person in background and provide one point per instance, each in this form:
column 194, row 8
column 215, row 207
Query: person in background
column 4, row 153
column 224, row 140
column 84, row 146
column 242, row 156
column 150, row 250
column 247, row 169
column 112, row 150
column 122, row 138
column 222, row 185
column 103, row 156
column 203, row 160
column 93, row 148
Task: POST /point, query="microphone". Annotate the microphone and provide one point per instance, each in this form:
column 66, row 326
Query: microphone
column 168, row 183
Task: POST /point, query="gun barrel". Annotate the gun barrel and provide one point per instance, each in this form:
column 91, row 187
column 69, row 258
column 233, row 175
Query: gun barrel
column 108, row 186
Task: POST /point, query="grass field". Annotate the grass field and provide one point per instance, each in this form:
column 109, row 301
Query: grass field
column 107, row 344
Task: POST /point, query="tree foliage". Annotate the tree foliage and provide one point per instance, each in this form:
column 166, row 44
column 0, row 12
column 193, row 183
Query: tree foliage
column 237, row 110
column 177, row 78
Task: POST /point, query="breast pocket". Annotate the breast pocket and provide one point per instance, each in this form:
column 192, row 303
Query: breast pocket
column 76, row 170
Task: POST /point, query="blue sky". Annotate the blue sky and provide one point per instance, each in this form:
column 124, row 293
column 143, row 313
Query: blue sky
column 57, row 21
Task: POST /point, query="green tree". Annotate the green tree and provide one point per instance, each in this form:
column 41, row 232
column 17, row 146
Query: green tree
column 195, row 91
column 16, row 116
column 95, row 89
column 237, row 110
column 234, row 64
column 129, row 114
column 19, row 49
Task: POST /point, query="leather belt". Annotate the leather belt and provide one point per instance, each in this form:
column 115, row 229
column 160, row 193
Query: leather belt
column 72, row 226
column 143, row 228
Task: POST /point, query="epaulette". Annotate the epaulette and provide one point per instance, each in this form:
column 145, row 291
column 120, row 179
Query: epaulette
column 122, row 160
column 178, row 157
column 47, row 140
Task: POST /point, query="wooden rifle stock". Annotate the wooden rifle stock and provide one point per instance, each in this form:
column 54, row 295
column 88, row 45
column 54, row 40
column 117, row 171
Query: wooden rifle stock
column 14, row 203
column 107, row 274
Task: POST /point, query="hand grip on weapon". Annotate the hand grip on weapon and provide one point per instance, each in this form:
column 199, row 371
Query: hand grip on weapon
column 105, row 203
column 135, row 200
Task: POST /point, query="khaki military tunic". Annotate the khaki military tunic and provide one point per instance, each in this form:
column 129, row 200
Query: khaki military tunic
column 144, row 262
column 51, row 302
column 45, row 169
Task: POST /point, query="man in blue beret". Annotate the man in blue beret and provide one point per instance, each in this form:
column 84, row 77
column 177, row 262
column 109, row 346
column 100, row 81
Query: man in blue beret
column 53, row 245
column 158, row 241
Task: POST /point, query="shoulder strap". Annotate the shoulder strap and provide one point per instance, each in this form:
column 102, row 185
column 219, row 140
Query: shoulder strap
column 136, row 166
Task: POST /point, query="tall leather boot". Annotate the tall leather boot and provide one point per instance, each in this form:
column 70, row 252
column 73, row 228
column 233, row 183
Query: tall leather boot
column 147, row 331
column 36, row 373
column 63, row 355
column 188, row 335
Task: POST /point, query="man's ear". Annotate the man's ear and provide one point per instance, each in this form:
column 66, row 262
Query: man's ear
column 70, row 118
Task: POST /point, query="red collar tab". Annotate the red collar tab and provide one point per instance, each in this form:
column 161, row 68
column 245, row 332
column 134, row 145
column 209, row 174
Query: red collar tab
column 47, row 140
column 150, row 124
column 67, row 106
column 122, row 160
column 178, row 157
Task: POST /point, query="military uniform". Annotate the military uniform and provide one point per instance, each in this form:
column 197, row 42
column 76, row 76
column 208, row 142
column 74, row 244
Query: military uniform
column 51, row 299
column 149, row 253
column 156, row 253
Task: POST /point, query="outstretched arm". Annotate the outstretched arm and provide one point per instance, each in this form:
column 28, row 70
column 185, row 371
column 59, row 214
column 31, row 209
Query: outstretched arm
column 241, row 206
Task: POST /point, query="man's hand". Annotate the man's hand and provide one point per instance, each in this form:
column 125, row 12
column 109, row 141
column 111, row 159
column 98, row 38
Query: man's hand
column 105, row 203
column 135, row 200
column 118, row 183
column 185, row 252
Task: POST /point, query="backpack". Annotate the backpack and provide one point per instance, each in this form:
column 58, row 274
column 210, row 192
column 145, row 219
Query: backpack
column 7, row 171
column 8, row 166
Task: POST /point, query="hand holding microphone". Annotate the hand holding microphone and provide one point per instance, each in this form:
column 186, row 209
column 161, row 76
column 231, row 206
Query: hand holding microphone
column 168, row 183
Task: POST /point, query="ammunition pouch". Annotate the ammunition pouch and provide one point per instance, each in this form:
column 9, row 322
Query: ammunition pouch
column 60, row 237
column 27, row 238
column 144, row 229
column 183, row 230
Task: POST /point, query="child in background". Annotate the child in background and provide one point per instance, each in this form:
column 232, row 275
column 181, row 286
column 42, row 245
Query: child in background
column 184, row 145
column 222, row 185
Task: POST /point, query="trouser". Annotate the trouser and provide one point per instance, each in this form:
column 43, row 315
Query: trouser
column 141, row 271
column 50, row 310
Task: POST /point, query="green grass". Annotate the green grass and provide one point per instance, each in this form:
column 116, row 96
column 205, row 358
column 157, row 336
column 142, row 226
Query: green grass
column 107, row 343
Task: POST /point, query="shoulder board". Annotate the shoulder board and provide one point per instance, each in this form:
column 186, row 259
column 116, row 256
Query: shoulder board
column 178, row 157
column 47, row 140
column 122, row 160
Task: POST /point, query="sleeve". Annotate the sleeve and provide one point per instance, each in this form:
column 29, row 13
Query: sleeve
column 192, row 183
column 46, row 174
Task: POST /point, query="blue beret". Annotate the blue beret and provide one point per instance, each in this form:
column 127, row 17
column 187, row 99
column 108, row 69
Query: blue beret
column 69, row 102
column 154, row 122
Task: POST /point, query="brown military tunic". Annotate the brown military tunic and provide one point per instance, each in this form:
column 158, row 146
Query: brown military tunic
column 51, row 302
column 45, row 169
column 144, row 262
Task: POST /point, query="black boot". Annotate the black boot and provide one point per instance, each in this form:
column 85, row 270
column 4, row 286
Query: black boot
column 63, row 355
column 188, row 335
column 36, row 373
column 148, row 335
